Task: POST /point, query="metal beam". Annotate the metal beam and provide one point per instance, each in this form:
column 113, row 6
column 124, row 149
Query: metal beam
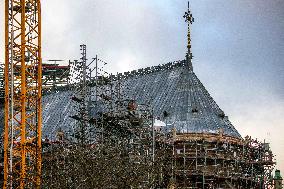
column 23, row 75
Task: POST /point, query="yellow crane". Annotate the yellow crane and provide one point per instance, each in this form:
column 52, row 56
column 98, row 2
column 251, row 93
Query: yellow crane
column 23, row 108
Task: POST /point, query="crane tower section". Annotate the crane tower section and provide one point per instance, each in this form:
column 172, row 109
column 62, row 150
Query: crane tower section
column 23, row 73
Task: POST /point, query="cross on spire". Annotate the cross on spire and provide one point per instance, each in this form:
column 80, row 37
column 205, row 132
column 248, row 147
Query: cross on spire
column 189, row 19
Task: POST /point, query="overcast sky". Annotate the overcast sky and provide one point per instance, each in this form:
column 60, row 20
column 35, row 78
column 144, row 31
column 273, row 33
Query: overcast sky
column 238, row 48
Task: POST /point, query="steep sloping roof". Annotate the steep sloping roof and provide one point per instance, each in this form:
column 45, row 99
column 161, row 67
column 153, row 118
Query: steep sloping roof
column 172, row 89
column 175, row 89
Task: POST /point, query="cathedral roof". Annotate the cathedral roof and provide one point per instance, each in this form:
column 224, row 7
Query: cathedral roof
column 175, row 93
column 179, row 98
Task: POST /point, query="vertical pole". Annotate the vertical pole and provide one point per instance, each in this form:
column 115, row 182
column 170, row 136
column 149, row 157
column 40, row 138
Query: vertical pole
column 188, row 33
column 184, row 179
column 23, row 95
column 6, row 75
column 96, row 80
column 11, row 105
column 111, row 93
column 90, row 91
column 173, row 159
column 68, row 78
column 84, row 70
column 118, row 92
column 153, row 133
column 189, row 19
column 83, row 93
column 196, row 155
column 39, row 102
column 205, row 164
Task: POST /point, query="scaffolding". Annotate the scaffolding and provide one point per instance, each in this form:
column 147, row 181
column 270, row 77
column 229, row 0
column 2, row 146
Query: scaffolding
column 220, row 161
column 54, row 76
column 125, row 133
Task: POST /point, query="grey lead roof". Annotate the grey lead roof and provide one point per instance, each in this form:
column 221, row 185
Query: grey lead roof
column 173, row 88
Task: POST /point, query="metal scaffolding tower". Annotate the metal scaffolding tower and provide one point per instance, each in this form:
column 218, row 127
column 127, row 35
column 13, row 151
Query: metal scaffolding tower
column 80, row 98
column 23, row 74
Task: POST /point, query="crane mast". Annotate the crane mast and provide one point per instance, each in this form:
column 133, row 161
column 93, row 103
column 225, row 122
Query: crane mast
column 23, row 111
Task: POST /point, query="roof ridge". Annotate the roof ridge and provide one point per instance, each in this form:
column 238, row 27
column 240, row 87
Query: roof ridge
column 150, row 69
